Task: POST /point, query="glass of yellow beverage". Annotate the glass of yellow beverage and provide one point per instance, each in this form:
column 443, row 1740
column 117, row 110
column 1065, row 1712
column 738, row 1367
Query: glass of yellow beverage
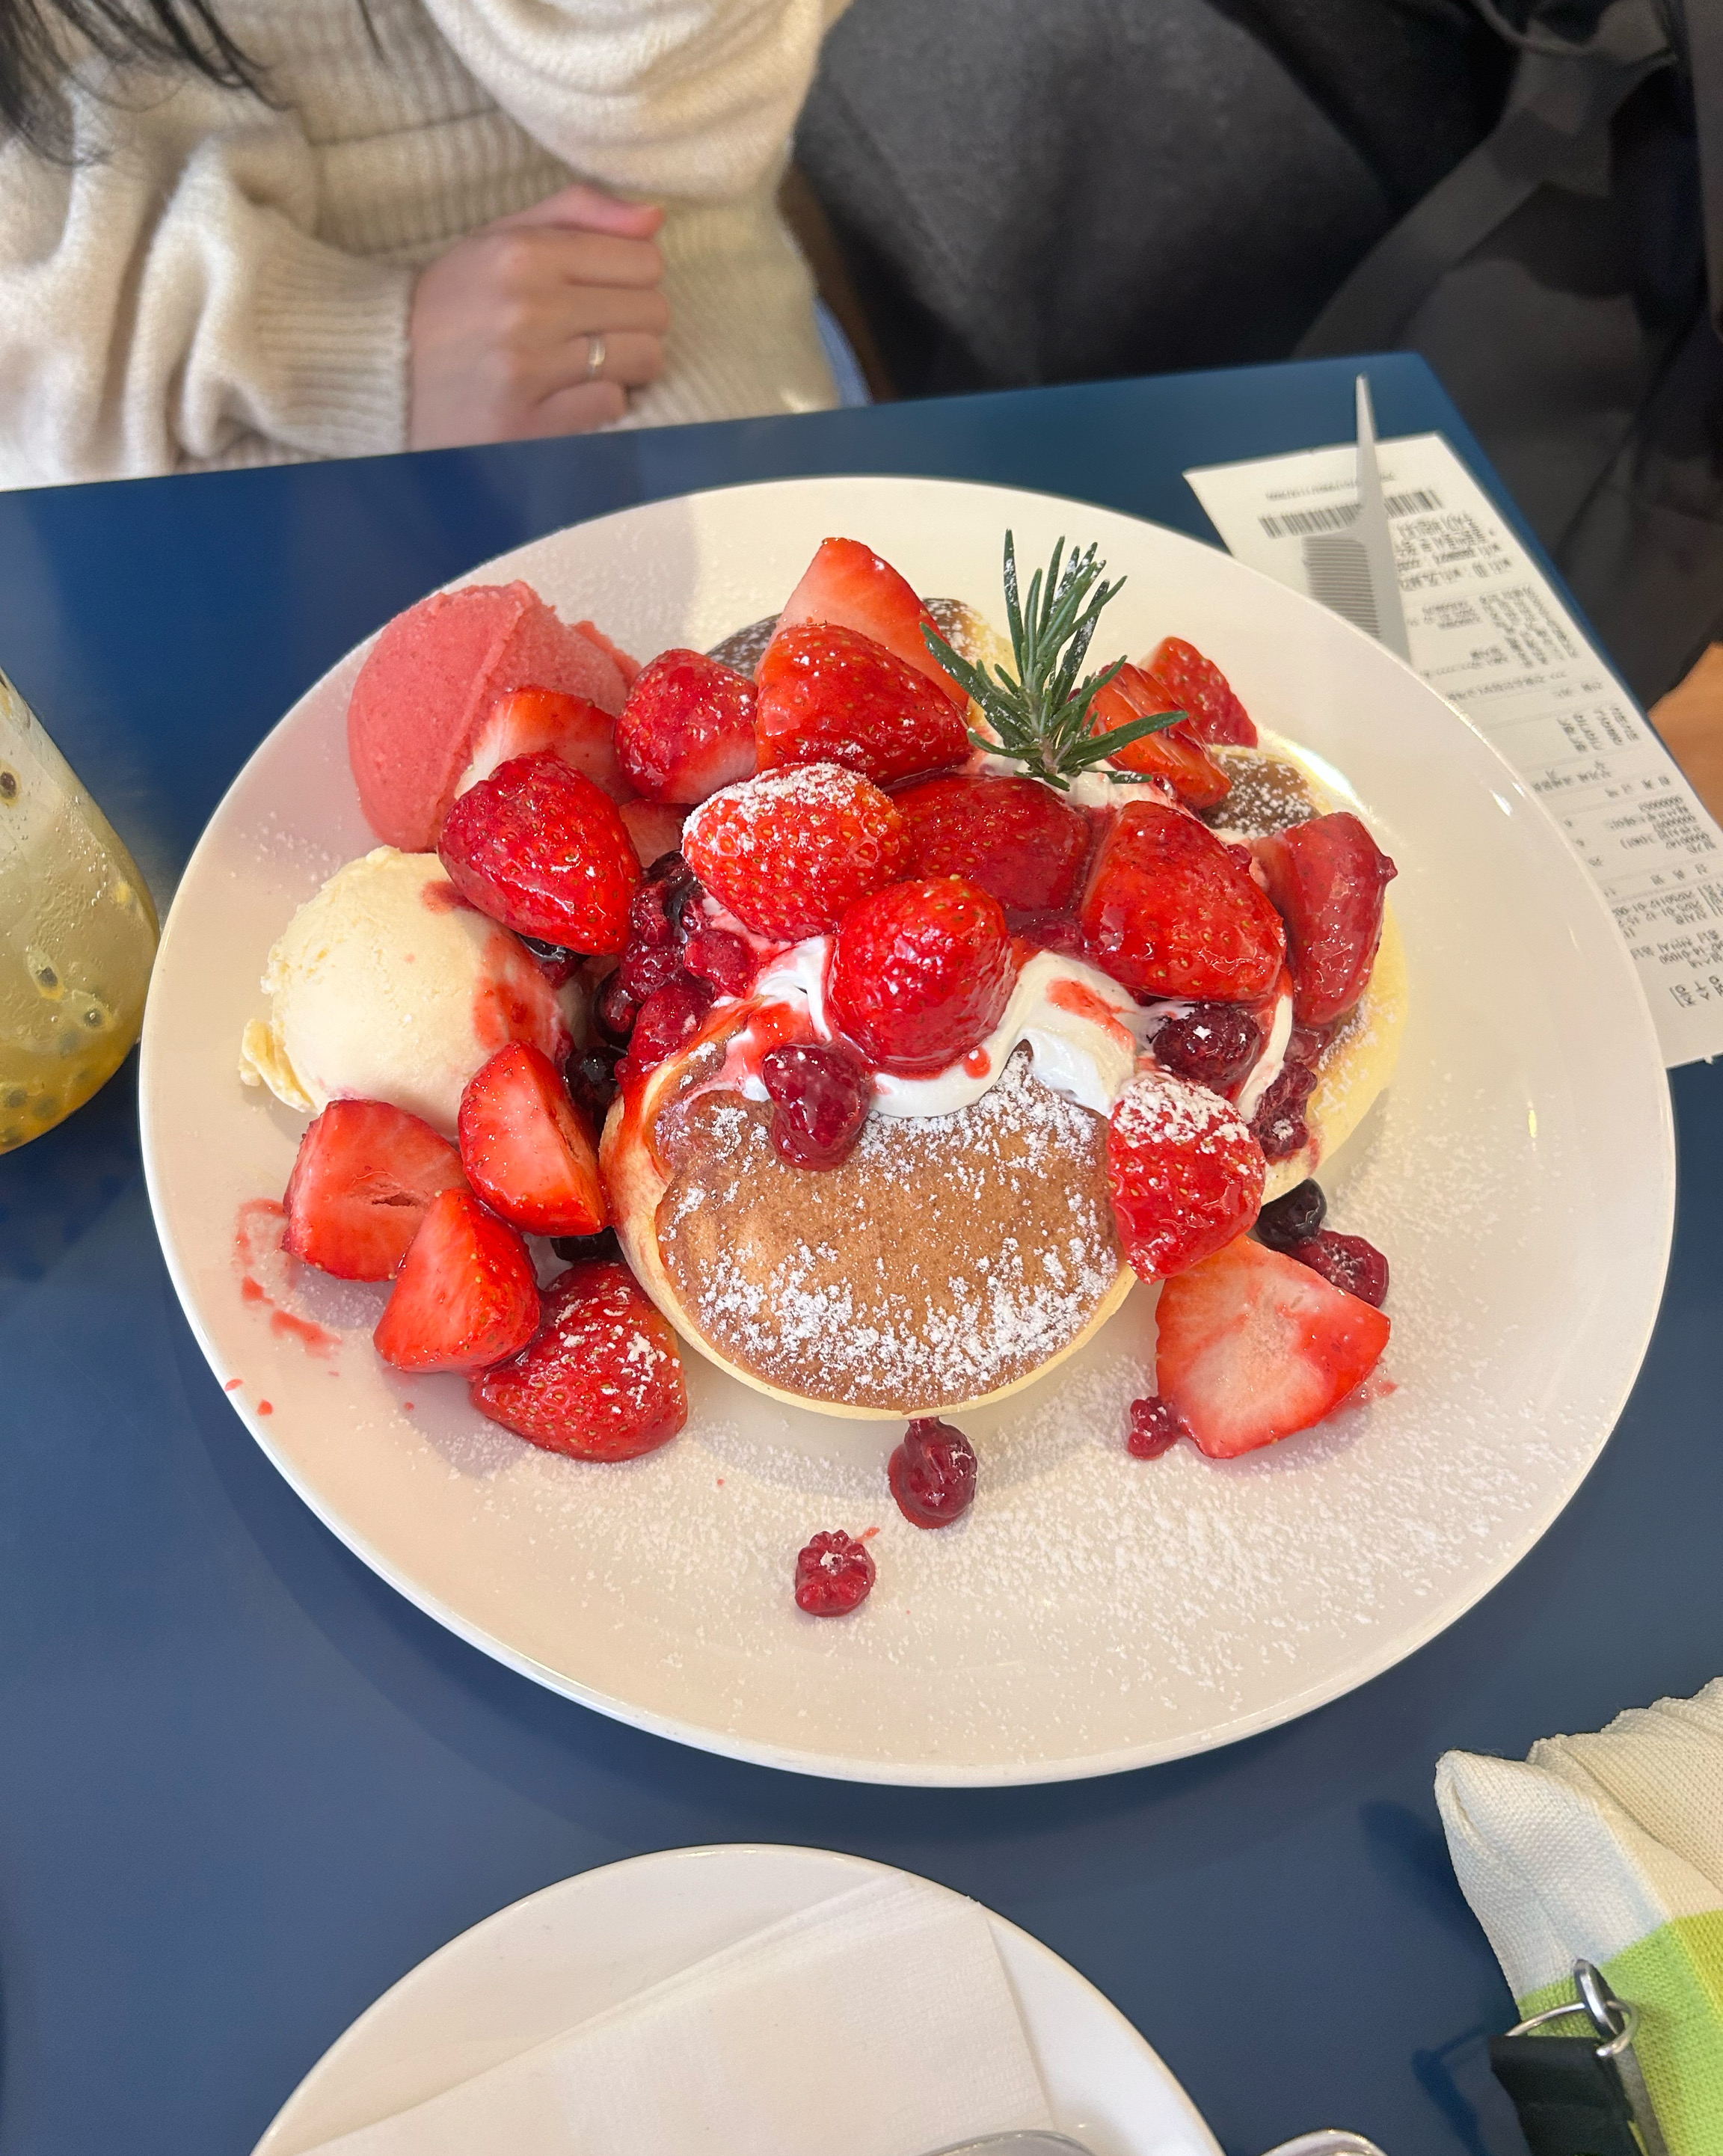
column 78, row 933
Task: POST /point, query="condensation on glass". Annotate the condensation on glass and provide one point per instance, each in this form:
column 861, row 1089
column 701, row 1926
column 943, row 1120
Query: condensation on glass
column 78, row 935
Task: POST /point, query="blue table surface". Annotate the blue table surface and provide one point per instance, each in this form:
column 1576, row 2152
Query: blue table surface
column 244, row 1786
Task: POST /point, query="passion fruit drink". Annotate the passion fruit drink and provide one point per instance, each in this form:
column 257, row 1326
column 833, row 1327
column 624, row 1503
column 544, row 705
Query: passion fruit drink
column 78, row 933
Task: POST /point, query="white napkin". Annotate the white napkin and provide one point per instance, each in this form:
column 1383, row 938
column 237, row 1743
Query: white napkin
column 879, row 2021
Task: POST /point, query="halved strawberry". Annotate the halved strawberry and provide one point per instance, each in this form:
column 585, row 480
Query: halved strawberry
column 543, row 849
column 921, row 971
column 1186, row 766
column 1170, row 910
column 1186, row 1174
column 687, row 727
column 1327, row 878
column 465, row 1294
column 1194, row 686
column 1253, row 1346
column 525, row 1148
column 603, row 1380
column 790, row 851
column 363, row 1179
column 1014, row 837
column 830, row 694
column 530, row 721
column 653, row 827
column 848, row 583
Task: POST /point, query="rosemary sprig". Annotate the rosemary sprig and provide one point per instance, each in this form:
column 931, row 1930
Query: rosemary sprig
column 1041, row 719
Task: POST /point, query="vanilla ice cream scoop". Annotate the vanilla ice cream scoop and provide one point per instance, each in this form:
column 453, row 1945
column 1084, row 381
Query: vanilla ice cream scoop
column 388, row 986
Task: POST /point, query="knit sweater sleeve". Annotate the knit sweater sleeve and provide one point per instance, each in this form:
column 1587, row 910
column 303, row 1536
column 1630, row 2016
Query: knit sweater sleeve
column 693, row 99
column 162, row 298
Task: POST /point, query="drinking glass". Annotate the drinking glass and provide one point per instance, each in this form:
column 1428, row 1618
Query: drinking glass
column 78, row 933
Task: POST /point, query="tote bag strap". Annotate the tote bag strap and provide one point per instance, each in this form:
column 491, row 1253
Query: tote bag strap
column 1555, row 127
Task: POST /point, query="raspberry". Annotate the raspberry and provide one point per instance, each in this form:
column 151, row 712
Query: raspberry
column 1346, row 1262
column 835, row 1574
column 1156, row 1427
column 1211, row 1044
column 932, row 1474
column 1293, row 1219
column 713, row 955
column 1278, row 1124
column 667, row 1018
column 820, row 1093
column 921, row 971
column 646, row 967
column 788, row 853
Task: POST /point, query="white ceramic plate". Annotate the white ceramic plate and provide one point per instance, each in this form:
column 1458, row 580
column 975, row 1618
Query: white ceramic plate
column 591, row 1941
column 1092, row 1613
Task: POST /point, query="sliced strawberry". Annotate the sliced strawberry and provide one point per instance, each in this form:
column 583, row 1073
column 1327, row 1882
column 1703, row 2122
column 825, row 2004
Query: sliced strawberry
column 653, row 827
column 790, row 851
column 543, row 851
column 1327, row 878
column 1186, row 766
column 1170, row 910
column 830, row 694
column 603, row 1380
column 1253, row 1346
column 687, row 727
column 525, row 1148
column 1014, row 837
column 921, row 971
column 363, row 1177
column 1194, row 686
column 1186, row 1174
column 465, row 1294
column 848, row 583
column 528, row 721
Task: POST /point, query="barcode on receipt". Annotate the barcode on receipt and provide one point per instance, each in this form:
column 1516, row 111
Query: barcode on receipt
column 1295, row 523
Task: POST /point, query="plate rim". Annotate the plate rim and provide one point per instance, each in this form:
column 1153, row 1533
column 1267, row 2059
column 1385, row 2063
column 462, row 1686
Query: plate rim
column 933, row 1774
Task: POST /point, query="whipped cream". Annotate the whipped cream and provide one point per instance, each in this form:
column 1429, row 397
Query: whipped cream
column 1093, row 789
column 1268, row 1065
column 1083, row 1030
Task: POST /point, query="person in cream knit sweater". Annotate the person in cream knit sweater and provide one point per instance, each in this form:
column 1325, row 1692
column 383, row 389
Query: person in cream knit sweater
column 427, row 222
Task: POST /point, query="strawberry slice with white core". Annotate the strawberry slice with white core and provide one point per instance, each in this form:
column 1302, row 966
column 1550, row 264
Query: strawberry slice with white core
column 526, row 1148
column 466, row 1295
column 654, row 828
column 848, row 583
column 1253, row 1346
column 528, row 721
column 365, row 1175
column 1327, row 878
column 687, row 728
column 1186, row 1174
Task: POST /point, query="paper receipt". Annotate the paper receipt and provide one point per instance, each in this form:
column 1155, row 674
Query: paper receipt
column 1488, row 632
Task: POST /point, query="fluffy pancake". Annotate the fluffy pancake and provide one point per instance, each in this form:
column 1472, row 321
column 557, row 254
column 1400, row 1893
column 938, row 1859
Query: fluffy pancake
column 949, row 1260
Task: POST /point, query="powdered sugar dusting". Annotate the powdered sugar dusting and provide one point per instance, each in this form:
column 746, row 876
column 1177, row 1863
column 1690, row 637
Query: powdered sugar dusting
column 1158, row 1109
column 826, row 787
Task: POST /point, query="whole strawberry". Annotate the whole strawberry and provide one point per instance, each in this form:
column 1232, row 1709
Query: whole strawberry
column 687, row 727
column 1015, row 837
column 830, row 694
column 1186, row 1174
column 789, row 852
column 921, row 971
column 602, row 1381
column 1171, row 911
column 1194, row 686
column 540, row 848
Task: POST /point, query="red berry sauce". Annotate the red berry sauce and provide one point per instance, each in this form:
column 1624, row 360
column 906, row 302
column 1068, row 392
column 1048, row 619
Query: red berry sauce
column 1279, row 1126
column 1156, row 1427
column 820, row 1093
column 835, row 1574
column 932, row 1474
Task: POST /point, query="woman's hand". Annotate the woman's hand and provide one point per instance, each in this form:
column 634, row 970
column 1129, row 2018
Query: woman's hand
column 502, row 327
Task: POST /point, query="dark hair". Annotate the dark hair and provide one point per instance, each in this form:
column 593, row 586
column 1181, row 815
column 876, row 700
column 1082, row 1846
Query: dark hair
column 181, row 33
